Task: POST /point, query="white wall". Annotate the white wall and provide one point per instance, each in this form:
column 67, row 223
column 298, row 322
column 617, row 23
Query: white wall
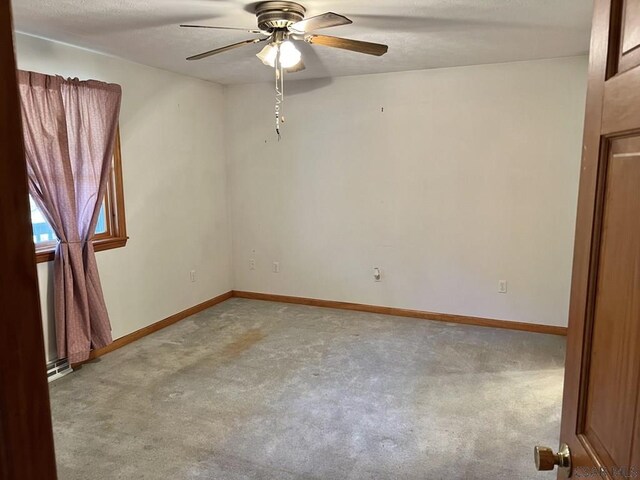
column 175, row 188
column 469, row 176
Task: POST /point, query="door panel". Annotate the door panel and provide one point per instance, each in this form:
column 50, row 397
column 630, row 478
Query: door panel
column 621, row 112
column 630, row 41
column 631, row 22
column 615, row 348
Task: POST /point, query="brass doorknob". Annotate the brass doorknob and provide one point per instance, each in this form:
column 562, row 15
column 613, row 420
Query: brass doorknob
column 547, row 460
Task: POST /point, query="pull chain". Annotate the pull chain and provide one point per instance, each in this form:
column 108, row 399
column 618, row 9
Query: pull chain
column 279, row 93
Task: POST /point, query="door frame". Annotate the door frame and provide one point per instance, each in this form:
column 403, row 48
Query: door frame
column 26, row 437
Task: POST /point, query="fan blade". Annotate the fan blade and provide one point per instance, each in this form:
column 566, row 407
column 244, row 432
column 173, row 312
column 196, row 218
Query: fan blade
column 348, row 44
column 325, row 20
column 226, row 49
column 222, row 28
column 296, row 68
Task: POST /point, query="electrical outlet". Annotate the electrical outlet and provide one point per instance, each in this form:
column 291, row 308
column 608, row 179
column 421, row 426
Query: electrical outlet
column 502, row 286
column 276, row 267
column 377, row 274
column 192, row 275
column 252, row 264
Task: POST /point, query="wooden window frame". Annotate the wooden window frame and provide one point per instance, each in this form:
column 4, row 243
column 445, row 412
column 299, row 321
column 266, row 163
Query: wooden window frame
column 115, row 235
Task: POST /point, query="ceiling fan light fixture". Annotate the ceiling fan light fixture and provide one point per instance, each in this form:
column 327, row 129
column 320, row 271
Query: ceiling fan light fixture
column 268, row 55
column 290, row 56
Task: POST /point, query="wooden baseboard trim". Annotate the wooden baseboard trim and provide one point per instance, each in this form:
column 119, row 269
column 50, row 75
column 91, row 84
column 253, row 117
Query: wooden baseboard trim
column 359, row 307
column 154, row 327
column 402, row 312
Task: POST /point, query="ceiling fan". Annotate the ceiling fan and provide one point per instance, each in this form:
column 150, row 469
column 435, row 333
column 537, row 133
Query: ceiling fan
column 280, row 23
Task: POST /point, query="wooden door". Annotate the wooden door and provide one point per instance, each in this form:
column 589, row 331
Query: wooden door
column 26, row 440
column 601, row 408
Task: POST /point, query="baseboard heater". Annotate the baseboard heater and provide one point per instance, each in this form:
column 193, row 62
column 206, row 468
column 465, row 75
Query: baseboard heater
column 58, row 369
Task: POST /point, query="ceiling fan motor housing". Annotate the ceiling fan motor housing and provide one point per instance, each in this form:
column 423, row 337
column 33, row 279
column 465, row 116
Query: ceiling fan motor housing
column 275, row 15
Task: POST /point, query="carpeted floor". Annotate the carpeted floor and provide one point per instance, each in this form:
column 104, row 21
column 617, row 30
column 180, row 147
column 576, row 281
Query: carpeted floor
column 260, row 390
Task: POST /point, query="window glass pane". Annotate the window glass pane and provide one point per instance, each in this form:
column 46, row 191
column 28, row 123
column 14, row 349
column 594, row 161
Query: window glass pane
column 101, row 226
column 42, row 231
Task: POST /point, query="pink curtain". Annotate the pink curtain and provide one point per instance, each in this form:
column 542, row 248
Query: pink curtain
column 69, row 132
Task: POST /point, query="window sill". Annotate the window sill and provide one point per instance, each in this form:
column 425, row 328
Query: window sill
column 48, row 254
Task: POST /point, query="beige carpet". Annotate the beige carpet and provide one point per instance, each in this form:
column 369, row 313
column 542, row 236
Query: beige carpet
column 259, row 390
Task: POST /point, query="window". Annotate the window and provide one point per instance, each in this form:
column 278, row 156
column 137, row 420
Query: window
column 43, row 234
column 110, row 229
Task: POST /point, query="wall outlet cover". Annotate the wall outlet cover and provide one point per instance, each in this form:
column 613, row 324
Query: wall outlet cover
column 377, row 274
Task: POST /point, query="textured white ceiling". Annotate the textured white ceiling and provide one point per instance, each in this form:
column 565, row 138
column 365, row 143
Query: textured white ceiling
column 420, row 33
